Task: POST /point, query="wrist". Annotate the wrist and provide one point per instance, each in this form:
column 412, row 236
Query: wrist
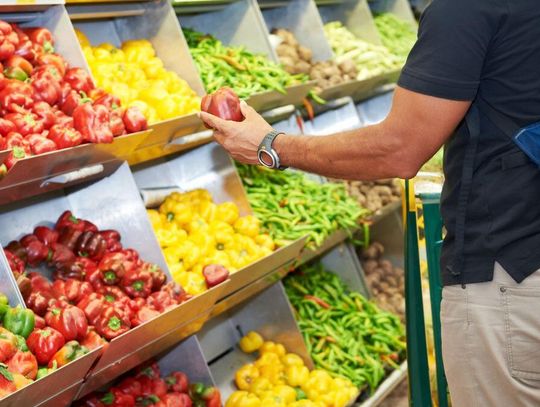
column 281, row 147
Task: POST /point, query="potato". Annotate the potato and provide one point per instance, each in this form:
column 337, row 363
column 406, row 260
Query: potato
column 335, row 80
column 286, row 50
column 347, row 66
column 304, row 53
column 386, row 265
column 370, row 253
column 302, row 67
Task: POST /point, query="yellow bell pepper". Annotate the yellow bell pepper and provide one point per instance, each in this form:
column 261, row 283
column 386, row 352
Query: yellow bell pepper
column 296, row 375
column 251, row 342
column 267, row 358
column 243, row 399
column 193, row 283
column 260, row 385
column 286, row 393
column 272, row 400
column 303, row 403
column 265, row 240
column 82, row 38
column 245, row 376
column 247, row 225
column 227, row 212
column 273, row 372
column 272, row 347
column 155, row 218
column 292, row 359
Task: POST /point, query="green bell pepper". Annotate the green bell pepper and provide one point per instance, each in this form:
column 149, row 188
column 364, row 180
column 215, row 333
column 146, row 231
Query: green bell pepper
column 19, row 321
column 4, row 305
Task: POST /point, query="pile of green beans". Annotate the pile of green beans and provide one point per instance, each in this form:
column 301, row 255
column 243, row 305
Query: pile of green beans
column 397, row 35
column 345, row 333
column 291, row 206
column 245, row 72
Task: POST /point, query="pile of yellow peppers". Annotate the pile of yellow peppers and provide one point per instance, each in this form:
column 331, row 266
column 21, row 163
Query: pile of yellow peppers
column 137, row 76
column 194, row 232
column 281, row 379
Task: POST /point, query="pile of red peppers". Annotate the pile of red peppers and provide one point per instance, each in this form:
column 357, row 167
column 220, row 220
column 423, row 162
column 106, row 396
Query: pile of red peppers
column 146, row 387
column 46, row 105
column 99, row 291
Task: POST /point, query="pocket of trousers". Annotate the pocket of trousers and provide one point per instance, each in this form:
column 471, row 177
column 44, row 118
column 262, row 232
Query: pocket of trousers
column 522, row 331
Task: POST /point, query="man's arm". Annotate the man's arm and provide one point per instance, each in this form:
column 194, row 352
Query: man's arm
column 416, row 127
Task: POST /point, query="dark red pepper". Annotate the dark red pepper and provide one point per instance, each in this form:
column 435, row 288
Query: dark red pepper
column 92, row 245
column 46, row 235
column 16, row 248
column 112, row 238
column 69, row 237
column 223, row 103
column 72, row 290
column 158, row 276
column 40, row 282
column 44, row 343
column 114, row 266
column 131, row 385
column 68, row 220
column 69, row 321
column 215, row 274
column 137, row 283
column 92, row 304
column 79, row 80
column 15, row 263
column 36, row 250
column 90, row 227
column 134, row 120
column 93, row 122
column 8, row 41
column 39, row 301
column 65, row 137
column 112, row 323
column 40, row 144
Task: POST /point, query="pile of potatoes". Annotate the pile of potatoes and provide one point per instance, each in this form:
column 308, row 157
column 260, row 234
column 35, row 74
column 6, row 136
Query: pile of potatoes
column 386, row 282
column 374, row 195
column 297, row 59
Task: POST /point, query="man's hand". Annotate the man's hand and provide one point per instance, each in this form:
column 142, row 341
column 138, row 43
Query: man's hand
column 240, row 139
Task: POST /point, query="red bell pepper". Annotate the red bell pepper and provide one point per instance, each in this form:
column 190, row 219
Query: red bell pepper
column 90, row 227
column 114, row 266
column 112, row 238
column 134, row 120
column 175, row 400
column 15, row 263
column 8, row 41
column 152, row 383
column 131, row 385
column 15, row 155
column 54, row 60
column 93, row 122
column 143, row 315
column 223, row 103
column 63, row 120
column 7, row 381
column 41, row 144
column 68, row 353
column 116, row 123
column 91, row 400
column 112, row 323
column 61, row 256
column 72, row 290
column 117, row 398
column 16, row 96
column 39, row 322
column 92, row 304
column 26, row 123
column 68, row 220
column 25, row 48
column 72, row 100
column 36, row 251
column 158, row 275
column 215, row 274
column 70, row 236
column 46, row 85
column 6, row 127
column 112, row 294
column 16, row 61
column 8, row 345
column 137, row 283
column 18, row 250
column 65, row 137
column 39, row 282
column 45, row 113
column 26, row 239
column 46, row 235
column 176, row 292
column 79, row 80
column 39, row 301
column 92, row 245
column 69, row 321
column 24, row 363
column 212, row 397
column 178, row 382
column 93, row 340
column 111, row 102
column 44, row 343
column 161, row 301
column 41, row 36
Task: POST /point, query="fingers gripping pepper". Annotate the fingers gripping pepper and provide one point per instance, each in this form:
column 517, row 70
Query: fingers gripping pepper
column 44, row 343
column 19, row 321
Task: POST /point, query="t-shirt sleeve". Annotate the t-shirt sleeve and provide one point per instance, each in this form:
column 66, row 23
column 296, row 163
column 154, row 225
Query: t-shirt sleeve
column 454, row 38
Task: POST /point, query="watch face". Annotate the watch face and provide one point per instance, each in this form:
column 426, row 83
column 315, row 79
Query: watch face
column 266, row 158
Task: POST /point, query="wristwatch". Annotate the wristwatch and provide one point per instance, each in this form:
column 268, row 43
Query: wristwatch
column 266, row 154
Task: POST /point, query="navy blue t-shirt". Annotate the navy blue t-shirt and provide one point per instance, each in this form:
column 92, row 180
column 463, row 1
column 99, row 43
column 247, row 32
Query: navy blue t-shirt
column 489, row 49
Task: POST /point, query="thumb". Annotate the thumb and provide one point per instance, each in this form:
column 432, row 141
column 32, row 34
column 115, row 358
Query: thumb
column 212, row 121
column 247, row 110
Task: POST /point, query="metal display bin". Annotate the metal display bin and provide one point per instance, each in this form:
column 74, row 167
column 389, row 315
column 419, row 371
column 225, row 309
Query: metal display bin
column 156, row 22
column 210, row 167
column 241, row 23
column 270, row 314
column 61, row 168
column 400, row 8
column 356, row 16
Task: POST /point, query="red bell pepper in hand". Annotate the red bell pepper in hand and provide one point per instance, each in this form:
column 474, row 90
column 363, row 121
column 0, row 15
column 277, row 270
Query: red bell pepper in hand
column 65, row 137
column 223, row 103
column 68, row 220
column 8, row 41
column 72, row 290
column 93, row 122
column 79, row 80
column 41, row 36
column 69, row 321
column 68, row 353
column 44, row 343
column 112, row 323
column 215, row 274
column 137, row 283
column 178, row 382
column 114, row 266
column 46, row 85
column 46, row 235
column 53, row 60
column 16, row 96
column 134, row 120
column 93, row 340
column 45, row 113
column 6, row 127
column 36, row 251
column 26, row 123
column 8, row 345
column 24, row 363
column 7, row 381
column 41, row 144
column 92, row 245
column 92, row 304
column 19, row 62
column 117, row 398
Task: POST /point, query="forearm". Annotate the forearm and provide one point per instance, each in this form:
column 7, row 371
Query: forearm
column 369, row 153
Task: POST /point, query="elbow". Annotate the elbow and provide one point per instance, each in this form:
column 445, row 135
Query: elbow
column 407, row 170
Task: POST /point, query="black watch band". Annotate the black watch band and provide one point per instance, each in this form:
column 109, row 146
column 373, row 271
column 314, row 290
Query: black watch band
column 266, row 154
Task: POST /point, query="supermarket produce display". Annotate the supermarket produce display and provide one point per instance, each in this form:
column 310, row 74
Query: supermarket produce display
column 83, row 304
column 397, row 35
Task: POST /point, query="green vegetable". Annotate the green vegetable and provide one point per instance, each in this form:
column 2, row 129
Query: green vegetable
column 19, row 321
column 291, row 206
column 246, row 73
column 370, row 60
column 4, row 299
column 397, row 35
column 345, row 334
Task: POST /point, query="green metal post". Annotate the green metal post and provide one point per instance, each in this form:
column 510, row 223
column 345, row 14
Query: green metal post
column 433, row 232
column 417, row 363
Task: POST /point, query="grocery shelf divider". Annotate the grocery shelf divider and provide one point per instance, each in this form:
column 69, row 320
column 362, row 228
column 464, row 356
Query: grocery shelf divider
column 8, row 282
column 386, row 387
column 269, row 314
column 400, row 8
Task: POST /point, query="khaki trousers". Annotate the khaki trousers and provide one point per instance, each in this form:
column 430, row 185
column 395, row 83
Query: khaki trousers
column 491, row 342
